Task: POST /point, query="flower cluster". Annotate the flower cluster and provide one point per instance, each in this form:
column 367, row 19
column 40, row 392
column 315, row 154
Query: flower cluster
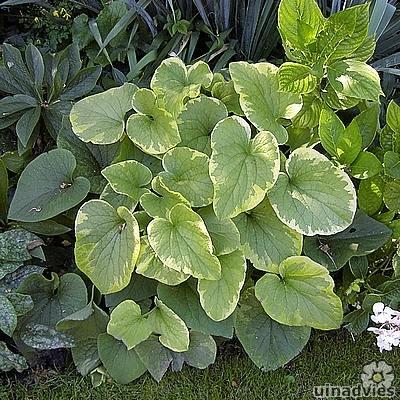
column 388, row 334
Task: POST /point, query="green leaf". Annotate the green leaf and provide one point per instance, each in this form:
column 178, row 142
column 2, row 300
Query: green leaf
column 3, row 191
column 266, row 240
column 365, row 166
column 157, row 206
column 223, row 232
column 150, row 265
column 362, row 237
column 43, row 337
column 152, row 129
column 219, row 298
column 117, row 200
column 269, row 344
column 172, row 330
column 391, row 162
column 183, row 243
column 128, row 324
column 53, row 298
column 100, row 118
column 186, row 172
column 185, row 302
column 370, row 194
column 201, row 352
column 393, row 116
column 9, row 360
column 343, row 34
column 7, row 267
column 340, row 142
column 296, row 78
column 301, row 295
column 139, row 289
column 122, row 364
column 155, row 357
column 368, row 122
column 242, row 169
column 338, row 101
column 107, row 244
column 90, row 158
column 359, row 266
column 34, row 62
column 299, row 22
column 173, row 82
column 26, row 124
column 54, row 192
column 129, row 178
column 16, row 245
column 355, row 79
column 260, row 99
column 313, row 196
column 8, row 319
column 81, row 84
column 225, row 91
column 391, row 196
column 197, row 120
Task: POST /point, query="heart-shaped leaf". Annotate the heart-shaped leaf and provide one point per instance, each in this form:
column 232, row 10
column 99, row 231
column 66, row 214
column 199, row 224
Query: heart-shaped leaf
column 313, row 196
column 242, row 169
column 300, row 295
column 107, row 244
column 54, row 191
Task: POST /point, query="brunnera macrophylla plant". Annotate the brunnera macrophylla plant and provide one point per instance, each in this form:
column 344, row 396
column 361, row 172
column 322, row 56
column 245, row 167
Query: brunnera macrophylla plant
column 225, row 207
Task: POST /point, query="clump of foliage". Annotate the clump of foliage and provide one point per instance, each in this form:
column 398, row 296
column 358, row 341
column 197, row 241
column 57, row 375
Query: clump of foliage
column 41, row 90
column 218, row 208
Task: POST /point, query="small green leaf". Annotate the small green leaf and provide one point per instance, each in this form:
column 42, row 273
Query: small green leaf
column 172, row 330
column 269, row 344
column 150, row 265
column 242, row 169
column 173, row 82
column 340, row 142
column 185, row 302
column 266, row 240
column 122, row 364
column 225, row 91
column 296, row 78
column 299, row 22
column 370, row 194
column 129, row 178
column 27, row 124
column 10, row 360
column 219, row 298
column 107, row 244
column 391, row 195
column 365, row 166
column 152, row 129
column 313, row 196
column 197, row 120
column 8, row 319
column 223, row 232
column 183, row 243
column 54, row 192
column 186, row 172
column 393, row 116
column 391, row 162
column 301, row 295
column 355, row 79
column 128, row 324
column 100, row 118
column 260, row 99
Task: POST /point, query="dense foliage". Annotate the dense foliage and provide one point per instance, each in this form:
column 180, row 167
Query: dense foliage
column 257, row 203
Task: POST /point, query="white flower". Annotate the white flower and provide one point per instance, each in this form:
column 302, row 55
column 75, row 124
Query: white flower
column 383, row 314
column 386, row 338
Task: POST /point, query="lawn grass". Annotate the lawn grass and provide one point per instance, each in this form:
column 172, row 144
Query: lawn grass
column 329, row 358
